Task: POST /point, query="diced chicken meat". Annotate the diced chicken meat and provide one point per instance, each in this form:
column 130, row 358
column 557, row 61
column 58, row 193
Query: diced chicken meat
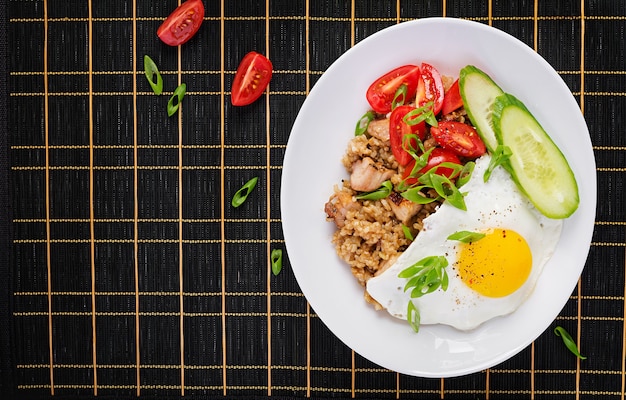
column 404, row 209
column 367, row 175
column 379, row 129
column 338, row 206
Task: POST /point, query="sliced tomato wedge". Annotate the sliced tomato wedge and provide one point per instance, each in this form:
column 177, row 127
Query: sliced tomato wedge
column 252, row 77
column 398, row 130
column 182, row 23
column 460, row 138
column 429, row 88
column 437, row 156
column 380, row 94
column 452, row 99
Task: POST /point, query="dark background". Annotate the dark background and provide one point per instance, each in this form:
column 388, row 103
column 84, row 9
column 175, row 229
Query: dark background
column 109, row 200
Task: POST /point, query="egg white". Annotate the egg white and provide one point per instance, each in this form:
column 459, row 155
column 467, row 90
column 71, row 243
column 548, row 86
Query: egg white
column 498, row 203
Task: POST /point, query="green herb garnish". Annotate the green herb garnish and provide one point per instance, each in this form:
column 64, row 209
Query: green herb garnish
column 383, row 191
column 569, row 342
column 276, row 259
column 423, row 113
column 465, row 174
column 176, row 99
column 413, row 316
column 242, row 194
column 400, row 97
column 466, row 236
column 500, row 155
column 407, row 233
column 425, row 276
column 364, row 122
column 152, row 72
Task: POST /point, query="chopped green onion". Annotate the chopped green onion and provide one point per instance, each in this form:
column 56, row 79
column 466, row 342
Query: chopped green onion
column 152, row 71
column 277, row 261
column 425, row 276
column 569, row 342
column 447, row 190
column 415, row 195
column 383, row 191
column 466, row 236
column 364, row 122
column 407, row 233
column 499, row 157
column 242, row 194
column 176, row 99
column 423, row 113
column 466, row 174
column 413, row 316
column 400, row 97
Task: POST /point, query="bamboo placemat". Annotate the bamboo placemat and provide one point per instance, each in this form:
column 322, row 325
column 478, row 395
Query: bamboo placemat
column 127, row 271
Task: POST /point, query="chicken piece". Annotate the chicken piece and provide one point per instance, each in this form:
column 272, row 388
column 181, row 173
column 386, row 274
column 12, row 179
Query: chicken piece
column 367, row 175
column 379, row 129
column 403, row 209
column 338, row 206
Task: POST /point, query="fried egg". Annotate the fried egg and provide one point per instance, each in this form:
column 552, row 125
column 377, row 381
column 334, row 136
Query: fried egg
column 489, row 277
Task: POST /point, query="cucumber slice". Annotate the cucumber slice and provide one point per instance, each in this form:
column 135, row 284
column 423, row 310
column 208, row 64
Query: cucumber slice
column 479, row 92
column 536, row 165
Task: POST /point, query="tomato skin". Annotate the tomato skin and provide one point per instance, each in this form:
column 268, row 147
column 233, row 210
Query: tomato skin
column 398, row 129
column 452, row 99
column 252, row 77
column 429, row 88
column 182, row 24
column 460, row 138
column 437, row 156
column 381, row 92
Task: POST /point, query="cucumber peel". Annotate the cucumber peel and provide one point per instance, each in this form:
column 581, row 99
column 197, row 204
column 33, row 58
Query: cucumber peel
column 479, row 93
column 536, row 164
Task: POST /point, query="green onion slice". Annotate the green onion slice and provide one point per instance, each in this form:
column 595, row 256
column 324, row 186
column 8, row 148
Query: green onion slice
column 400, row 97
column 276, row 259
column 569, row 342
column 364, row 122
column 407, row 233
column 413, row 316
column 242, row 194
column 447, row 190
column 499, row 157
column 415, row 195
column 425, row 276
column 383, row 191
column 466, row 236
column 465, row 174
column 176, row 99
column 423, row 113
column 152, row 72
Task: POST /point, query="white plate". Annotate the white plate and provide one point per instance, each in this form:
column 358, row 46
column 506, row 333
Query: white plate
column 312, row 166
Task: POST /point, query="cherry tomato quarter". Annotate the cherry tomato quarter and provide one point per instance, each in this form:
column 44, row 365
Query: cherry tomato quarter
column 460, row 138
column 182, row 23
column 437, row 156
column 398, row 130
column 252, row 77
column 452, row 99
column 381, row 92
column 429, row 88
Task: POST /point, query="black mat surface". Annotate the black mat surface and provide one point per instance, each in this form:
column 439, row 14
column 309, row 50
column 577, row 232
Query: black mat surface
column 125, row 272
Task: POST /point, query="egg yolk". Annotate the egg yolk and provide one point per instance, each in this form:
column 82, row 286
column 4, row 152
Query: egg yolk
column 496, row 265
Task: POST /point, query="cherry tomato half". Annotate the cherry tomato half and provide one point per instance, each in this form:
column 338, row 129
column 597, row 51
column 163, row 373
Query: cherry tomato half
column 252, row 77
column 182, row 23
column 460, row 138
column 380, row 94
column 437, row 156
column 398, row 129
column 429, row 88
column 452, row 99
